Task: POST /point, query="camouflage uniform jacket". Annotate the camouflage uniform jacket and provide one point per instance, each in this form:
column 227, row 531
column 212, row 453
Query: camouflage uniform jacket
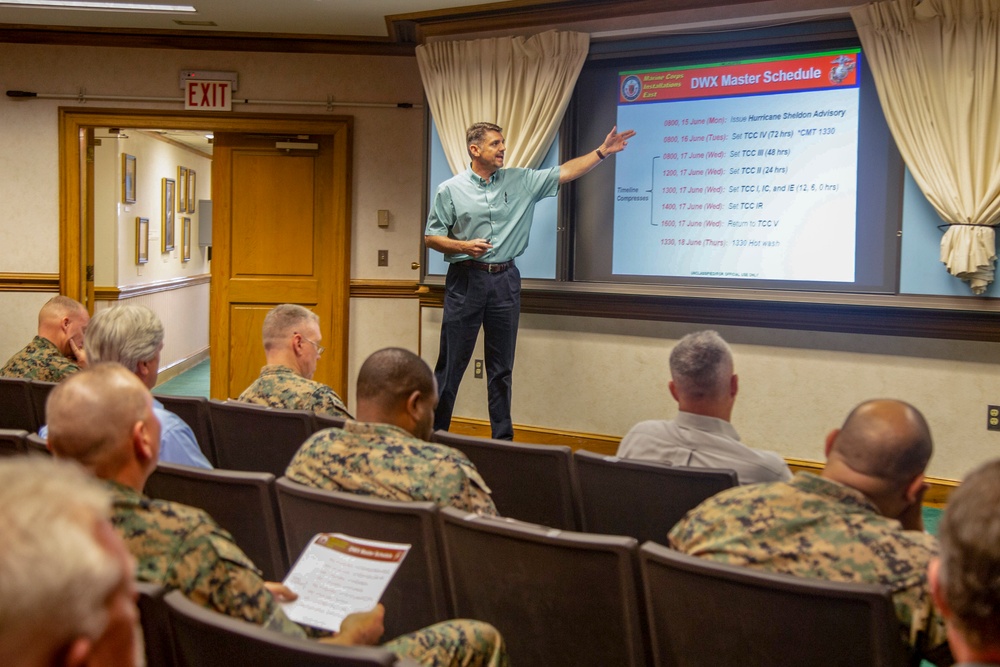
column 181, row 547
column 280, row 387
column 40, row 360
column 385, row 461
column 815, row 527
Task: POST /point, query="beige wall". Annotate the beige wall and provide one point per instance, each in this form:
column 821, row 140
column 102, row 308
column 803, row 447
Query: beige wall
column 114, row 221
column 577, row 374
column 602, row 376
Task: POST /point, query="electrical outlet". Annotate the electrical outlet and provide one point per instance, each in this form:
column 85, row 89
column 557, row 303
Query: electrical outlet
column 477, row 368
column 993, row 417
column 383, row 258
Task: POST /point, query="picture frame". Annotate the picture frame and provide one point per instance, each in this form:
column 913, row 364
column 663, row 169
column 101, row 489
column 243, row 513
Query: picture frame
column 192, row 189
column 167, row 188
column 182, row 184
column 141, row 240
column 128, row 178
column 186, row 240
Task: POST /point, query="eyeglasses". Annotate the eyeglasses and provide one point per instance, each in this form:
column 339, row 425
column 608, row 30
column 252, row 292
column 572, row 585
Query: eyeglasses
column 319, row 348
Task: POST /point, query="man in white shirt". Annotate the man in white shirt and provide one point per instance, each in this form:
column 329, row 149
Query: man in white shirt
column 705, row 387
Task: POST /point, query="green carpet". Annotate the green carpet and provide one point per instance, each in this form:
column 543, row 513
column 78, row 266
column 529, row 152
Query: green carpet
column 192, row 382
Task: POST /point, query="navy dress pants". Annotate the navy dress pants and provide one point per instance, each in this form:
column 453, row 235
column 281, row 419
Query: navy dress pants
column 474, row 298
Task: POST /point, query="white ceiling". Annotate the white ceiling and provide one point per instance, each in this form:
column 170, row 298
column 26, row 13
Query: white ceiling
column 361, row 18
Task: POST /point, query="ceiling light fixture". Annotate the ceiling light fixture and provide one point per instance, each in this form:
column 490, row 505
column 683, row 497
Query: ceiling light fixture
column 100, row 6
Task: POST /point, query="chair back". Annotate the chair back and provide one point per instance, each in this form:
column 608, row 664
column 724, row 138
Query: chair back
column 641, row 499
column 194, row 411
column 533, row 483
column 39, row 392
column 257, row 438
column 706, row 613
column 415, row 597
column 206, row 637
column 328, row 421
column 155, row 622
column 12, row 442
column 244, row 503
column 16, row 408
column 558, row 597
column 36, row 444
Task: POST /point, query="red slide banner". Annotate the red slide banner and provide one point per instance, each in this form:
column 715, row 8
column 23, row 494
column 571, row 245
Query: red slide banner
column 817, row 71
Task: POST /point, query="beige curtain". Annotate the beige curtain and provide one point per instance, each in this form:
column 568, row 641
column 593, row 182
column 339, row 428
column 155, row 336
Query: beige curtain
column 521, row 84
column 936, row 65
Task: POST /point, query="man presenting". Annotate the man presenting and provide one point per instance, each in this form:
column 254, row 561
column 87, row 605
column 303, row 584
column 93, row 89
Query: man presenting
column 480, row 220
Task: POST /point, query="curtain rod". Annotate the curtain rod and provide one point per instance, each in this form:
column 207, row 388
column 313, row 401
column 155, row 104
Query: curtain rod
column 83, row 97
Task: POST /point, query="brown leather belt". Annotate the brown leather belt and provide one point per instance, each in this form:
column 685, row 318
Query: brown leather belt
column 498, row 267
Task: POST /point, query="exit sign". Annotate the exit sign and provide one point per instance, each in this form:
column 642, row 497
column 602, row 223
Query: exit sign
column 208, row 95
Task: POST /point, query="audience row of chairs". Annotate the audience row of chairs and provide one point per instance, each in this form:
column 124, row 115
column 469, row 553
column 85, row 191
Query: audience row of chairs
column 15, row 442
column 22, row 403
column 570, row 598
column 552, row 486
column 180, row 633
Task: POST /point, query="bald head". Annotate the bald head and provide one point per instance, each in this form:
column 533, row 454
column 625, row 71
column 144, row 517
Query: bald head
column 61, row 320
column 93, row 415
column 884, row 439
column 395, row 386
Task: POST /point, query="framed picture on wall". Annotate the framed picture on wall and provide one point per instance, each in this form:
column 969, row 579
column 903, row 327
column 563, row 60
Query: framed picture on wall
column 182, row 184
column 192, row 189
column 167, row 212
column 141, row 240
column 128, row 178
column 186, row 240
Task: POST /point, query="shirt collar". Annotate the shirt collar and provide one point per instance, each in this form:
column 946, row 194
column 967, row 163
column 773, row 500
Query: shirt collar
column 477, row 179
column 821, row 486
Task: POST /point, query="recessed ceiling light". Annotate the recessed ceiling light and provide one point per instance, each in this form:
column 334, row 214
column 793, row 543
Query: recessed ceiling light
column 99, row 6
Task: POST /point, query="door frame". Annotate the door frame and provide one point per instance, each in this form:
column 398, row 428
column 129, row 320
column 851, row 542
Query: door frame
column 75, row 227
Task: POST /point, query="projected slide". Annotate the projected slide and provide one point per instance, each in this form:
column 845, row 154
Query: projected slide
column 742, row 170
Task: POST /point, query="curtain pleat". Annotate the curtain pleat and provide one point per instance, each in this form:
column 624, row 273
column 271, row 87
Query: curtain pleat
column 935, row 68
column 521, row 84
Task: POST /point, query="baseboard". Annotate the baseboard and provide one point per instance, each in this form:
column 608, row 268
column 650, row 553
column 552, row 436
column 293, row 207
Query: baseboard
column 936, row 496
column 173, row 370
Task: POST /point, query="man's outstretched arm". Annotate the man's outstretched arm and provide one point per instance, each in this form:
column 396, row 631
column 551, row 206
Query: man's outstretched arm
column 577, row 167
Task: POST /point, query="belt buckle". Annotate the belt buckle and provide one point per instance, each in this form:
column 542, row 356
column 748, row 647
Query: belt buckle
column 493, row 268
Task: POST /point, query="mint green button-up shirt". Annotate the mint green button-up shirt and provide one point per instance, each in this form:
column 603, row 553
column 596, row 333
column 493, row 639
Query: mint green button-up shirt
column 499, row 210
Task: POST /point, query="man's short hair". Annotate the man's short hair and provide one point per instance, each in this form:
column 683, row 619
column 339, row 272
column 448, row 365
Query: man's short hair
column 969, row 574
column 701, row 365
column 55, row 577
column 91, row 413
column 391, row 375
column 59, row 307
column 886, row 439
column 477, row 132
column 284, row 320
column 127, row 334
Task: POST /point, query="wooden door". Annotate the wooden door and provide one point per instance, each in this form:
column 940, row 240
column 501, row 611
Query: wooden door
column 280, row 234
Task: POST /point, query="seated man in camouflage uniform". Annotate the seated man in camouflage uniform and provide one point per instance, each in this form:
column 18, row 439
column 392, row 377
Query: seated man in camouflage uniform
column 57, row 351
column 291, row 344
column 385, row 453
column 103, row 418
column 859, row 521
